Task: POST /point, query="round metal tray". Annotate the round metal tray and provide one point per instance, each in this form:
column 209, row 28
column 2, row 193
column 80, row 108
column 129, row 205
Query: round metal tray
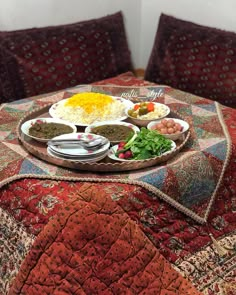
column 39, row 150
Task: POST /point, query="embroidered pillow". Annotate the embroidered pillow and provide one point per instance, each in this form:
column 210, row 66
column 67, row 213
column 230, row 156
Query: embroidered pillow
column 42, row 60
column 194, row 58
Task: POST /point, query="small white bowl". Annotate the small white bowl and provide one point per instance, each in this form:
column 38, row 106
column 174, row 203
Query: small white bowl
column 161, row 111
column 26, row 126
column 132, row 127
column 174, row 136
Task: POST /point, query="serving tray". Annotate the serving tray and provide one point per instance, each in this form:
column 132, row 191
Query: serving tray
column 39, row 150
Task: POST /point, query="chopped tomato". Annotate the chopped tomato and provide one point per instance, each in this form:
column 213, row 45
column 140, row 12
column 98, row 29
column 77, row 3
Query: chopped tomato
column 150, row 106
column 137, row 106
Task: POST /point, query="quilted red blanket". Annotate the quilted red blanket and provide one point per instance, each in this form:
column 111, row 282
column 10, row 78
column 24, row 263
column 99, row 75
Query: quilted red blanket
column 70, row 237
column 91, row 246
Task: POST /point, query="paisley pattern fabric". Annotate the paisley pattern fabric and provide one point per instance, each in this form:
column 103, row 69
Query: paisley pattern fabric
column 15, row 243
column 194, row 58
column 189, row 181
column 42, row 60
column 92, row 247
column 32, row 203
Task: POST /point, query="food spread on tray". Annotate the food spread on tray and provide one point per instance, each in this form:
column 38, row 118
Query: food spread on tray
column 134, row 145
column 48, row 130
column 88, row 107
column 143, row 145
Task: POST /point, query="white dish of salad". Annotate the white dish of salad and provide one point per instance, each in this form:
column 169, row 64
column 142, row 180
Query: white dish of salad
column 146, row 144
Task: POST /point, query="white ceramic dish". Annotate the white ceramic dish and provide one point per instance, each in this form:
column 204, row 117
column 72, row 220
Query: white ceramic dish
column 132, row 127
column 161, row 111
column 77, row 150
column 112, row 151
column 125, row 102
column 95, row 158
column 174, row 136
column 26, row 126
column 72, row 156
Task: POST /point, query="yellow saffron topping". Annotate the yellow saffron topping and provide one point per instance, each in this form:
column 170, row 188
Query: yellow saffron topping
column 89, row 101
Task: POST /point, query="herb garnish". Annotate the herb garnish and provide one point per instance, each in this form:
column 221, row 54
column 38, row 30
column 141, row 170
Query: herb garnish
column 146, row 144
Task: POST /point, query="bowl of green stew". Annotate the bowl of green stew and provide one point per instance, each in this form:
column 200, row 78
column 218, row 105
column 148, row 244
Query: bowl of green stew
column 44, row 129
column 114, row 131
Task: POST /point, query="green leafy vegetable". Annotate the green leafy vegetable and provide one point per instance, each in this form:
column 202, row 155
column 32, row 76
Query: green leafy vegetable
column 147, row 144
column 130, row 141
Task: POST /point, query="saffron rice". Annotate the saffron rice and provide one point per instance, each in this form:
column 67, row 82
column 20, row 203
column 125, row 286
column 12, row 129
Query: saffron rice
column 88, row 107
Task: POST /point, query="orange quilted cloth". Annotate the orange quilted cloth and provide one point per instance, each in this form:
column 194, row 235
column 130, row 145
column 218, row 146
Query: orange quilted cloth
column 92, row 247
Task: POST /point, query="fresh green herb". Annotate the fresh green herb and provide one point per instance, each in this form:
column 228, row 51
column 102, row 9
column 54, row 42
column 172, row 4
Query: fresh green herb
column 130, row 141
column 146, row 144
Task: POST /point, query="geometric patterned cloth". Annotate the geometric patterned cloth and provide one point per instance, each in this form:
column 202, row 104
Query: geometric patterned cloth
column 42, row 60
column 194, row 58
column 189, row 181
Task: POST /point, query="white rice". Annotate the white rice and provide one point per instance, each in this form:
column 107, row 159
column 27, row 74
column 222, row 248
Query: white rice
column 78, row 116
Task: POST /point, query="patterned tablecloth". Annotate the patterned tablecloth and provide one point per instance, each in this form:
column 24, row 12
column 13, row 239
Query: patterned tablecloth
column 199, row 182
column 189, row 181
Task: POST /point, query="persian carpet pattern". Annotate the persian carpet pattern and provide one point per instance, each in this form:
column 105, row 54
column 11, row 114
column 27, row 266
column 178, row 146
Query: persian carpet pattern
column 91, row 246
column 184, row 243
column 15, row 242
column 189, row 181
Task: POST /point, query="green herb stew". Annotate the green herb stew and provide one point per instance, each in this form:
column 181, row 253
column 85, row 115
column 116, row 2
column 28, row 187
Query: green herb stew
column 113, row 132
column 48, row 130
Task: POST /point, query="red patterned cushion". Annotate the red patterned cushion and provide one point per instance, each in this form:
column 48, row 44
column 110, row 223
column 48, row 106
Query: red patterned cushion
column 194, row 58
column 42, row 60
